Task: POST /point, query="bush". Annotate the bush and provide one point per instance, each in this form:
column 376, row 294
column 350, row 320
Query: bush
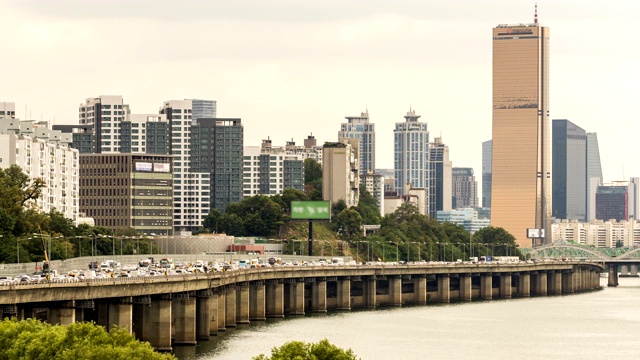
column 298, row 350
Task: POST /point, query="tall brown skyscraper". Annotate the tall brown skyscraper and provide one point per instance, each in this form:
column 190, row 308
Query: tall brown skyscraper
column 521, row 192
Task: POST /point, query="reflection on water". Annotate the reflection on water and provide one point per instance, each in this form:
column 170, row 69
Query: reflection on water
column 593, row 325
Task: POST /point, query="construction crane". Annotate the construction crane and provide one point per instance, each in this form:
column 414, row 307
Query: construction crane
column 45, row 263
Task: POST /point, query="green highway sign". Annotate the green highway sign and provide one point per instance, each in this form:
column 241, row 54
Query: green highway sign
column 310, row 210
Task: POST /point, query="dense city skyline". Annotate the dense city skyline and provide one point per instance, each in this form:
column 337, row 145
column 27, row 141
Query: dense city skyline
column 384, row 57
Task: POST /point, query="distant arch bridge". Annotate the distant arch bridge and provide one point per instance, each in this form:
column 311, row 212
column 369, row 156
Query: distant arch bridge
column 568, row 250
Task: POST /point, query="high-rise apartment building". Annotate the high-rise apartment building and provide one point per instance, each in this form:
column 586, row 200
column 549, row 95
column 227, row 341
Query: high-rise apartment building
column 465, row 188
column 486, row 173
column 7, row 110
column 270, row 170
column 310, row 150
column 104, row 115
column 145, row 134
column 594, row 174
column 374, row 184
column 340, row 178
column 440, row 172
column 411, row 154
column 43, row 153
column 216, row 149
column 569, row 171
column 521, row 164
column 359, row 127
column 191, row 189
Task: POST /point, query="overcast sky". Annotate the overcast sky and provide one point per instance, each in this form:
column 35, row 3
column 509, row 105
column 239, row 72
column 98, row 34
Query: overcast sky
column 289, row 68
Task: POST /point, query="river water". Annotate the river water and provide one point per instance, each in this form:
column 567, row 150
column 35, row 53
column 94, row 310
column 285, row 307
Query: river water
column 603, row 324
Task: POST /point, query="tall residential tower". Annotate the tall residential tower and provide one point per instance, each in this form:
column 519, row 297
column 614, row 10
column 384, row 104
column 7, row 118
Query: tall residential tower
column 359, row 127
column 411, row 154
column 521, row 192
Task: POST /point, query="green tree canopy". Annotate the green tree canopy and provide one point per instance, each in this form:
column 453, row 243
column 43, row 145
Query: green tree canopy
column 368, row 207
column 348, row 223
column 496, row 241
column 298, row 350
column 313, row 179
column 33, row 339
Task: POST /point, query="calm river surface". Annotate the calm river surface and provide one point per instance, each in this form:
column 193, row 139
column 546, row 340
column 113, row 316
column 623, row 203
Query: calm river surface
column 598, row 325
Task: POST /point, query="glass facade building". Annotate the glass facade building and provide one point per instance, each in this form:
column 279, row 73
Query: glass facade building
column 569, row 171
column 521, row 164
column 359, row 127
column 411, row 153
column 486, row 173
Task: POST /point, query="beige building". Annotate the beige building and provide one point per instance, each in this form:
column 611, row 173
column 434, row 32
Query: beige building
column 521, row 192
column 128, row 190
column 598, row 233
column 340, row 178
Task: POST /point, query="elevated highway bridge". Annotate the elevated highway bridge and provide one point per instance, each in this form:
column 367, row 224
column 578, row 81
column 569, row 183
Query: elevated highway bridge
column 181, row 309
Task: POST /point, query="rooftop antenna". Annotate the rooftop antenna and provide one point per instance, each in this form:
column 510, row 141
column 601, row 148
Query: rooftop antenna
column 535, row 16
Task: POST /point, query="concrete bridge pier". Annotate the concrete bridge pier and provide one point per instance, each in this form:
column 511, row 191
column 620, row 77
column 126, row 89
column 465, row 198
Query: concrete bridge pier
column 230, row 306
column 555, row 282
column 542, row 283
column 257, row 301
column 505, row 286
column 524, row 285
column 465, row 287
column 222, row 308
column 595, row 280
column 121, row 314
column 295, row 296
column 203, row 314
column 613, row 275
column 275, row 299
column 319, row 295
column 369, row 285
column 183, row 310
column 157, row 323
column 242, row 303
column 62, row 313
column 213, row 312
column 633, row 270
column 624, row 270
column 444, row 291
column 420, row 289
column 395, row 290
column 567, row 282
column 344, row 293
column 486, row 286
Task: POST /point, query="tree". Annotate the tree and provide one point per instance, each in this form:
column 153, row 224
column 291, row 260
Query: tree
column 368, row 207
column 338, row 206
column 33, row 339
column 313, row 179
column 322, row 350
column 348, row 223
column 497, row 239
column 211, row 221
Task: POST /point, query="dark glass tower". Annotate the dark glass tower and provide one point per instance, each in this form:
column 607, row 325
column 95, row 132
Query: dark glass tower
column 569, row 171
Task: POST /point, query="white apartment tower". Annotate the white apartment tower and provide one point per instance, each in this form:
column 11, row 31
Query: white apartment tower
column 42, row 153
column 104, row 114
column 411, row 154
column 7, row 110
column 359, row 127
column 191, row 190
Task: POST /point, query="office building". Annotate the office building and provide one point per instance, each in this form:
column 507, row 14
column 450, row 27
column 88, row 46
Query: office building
column 128, row 191
column 440, row 177
column 594, row 174
column 465, row 188
column 269, row 171
column 359, row 127
column 569, row 171
column 411, row 154
column 612, row 202
column 340, row 178
column 521, row 163
column 486, row 173
column 43, row 153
